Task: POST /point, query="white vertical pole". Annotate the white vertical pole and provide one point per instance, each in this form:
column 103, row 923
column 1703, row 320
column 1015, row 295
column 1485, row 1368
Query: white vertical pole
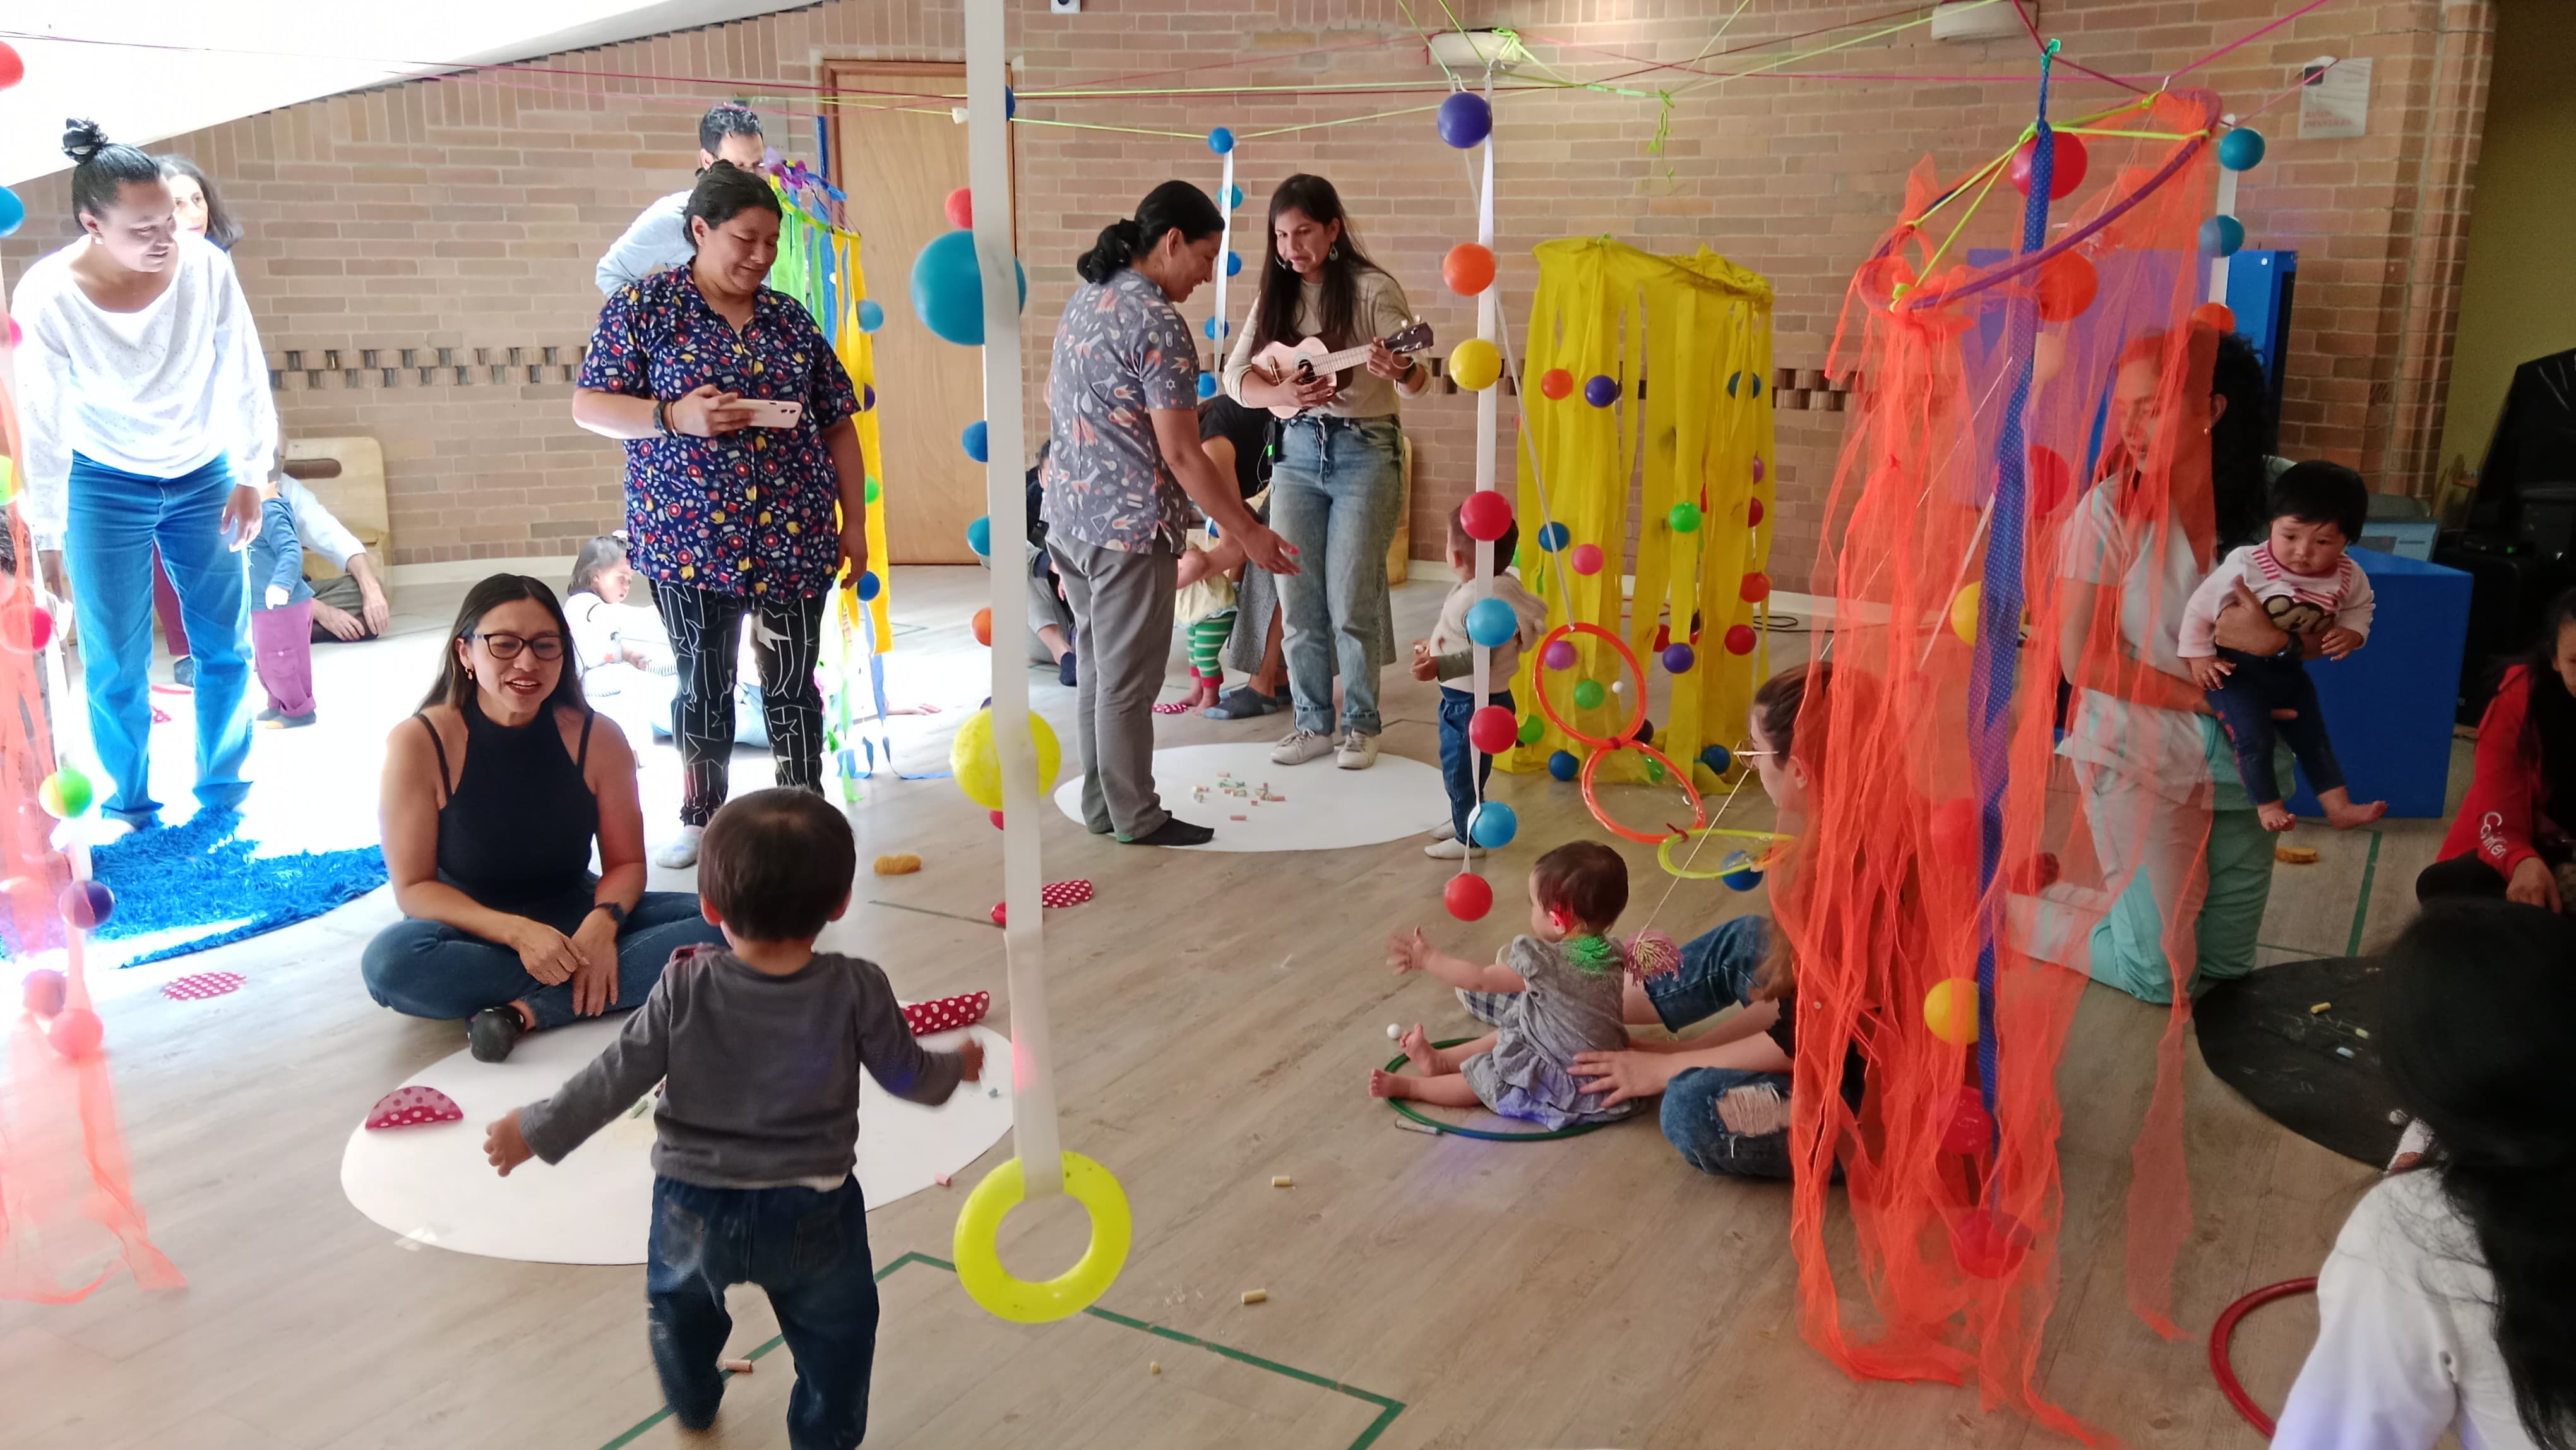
column 1488, row 404
column 988, row 153
column 1225, row 249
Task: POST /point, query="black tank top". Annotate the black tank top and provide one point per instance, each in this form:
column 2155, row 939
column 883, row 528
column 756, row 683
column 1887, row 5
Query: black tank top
column 516, row 830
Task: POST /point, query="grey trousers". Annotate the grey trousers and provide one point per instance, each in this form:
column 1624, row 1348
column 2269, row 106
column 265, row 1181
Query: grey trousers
column 1122, row 611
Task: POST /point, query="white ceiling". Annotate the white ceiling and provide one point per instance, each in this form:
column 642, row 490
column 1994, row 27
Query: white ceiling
column 234, row 58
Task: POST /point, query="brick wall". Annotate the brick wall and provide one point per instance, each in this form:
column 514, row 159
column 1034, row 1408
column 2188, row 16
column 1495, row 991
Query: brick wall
column 419, row 256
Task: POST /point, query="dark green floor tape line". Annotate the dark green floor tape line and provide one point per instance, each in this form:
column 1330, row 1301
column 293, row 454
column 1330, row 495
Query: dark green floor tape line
column 2361, row 908
column 1387, row 1409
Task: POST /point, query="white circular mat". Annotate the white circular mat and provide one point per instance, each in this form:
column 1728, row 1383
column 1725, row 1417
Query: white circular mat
column 431, row 1184
column 1312, row 807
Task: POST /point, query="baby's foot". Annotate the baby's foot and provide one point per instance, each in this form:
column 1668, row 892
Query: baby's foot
column 1419, row 1051
column 2275, row 816
column 2347, row 815
column 1385, row 1084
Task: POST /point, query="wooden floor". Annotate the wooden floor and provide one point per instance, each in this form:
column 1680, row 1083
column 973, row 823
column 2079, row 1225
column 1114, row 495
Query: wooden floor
column 1216, row 1017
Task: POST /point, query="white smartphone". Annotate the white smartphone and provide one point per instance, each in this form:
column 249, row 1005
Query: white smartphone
column 772, row 413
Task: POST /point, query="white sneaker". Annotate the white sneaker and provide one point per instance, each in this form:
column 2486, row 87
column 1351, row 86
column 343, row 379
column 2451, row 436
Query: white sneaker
column 1444, row 832
column 1301, row 746
column 1447, row 848
column 1359, row 752
column 682, row 852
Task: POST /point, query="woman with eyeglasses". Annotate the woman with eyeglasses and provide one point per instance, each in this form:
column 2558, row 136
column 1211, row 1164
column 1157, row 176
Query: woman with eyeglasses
column 493, row 795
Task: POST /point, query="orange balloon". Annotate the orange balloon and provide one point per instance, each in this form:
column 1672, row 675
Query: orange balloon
column 983, row 626
column 2067, row 283
column 1556, row 383
column 2216, row 316
column 1468, row 269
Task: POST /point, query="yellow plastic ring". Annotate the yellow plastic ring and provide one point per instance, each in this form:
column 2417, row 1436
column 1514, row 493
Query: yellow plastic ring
column 977, row 1244
column 1664, row 852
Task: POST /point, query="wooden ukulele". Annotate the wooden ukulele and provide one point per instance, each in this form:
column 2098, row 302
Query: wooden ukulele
column 1313, row 358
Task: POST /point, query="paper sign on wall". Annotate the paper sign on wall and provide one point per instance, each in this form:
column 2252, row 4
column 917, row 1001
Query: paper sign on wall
column 2334, row 99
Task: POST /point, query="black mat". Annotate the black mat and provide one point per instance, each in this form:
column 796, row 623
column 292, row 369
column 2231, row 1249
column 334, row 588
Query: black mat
column 2316, row 1073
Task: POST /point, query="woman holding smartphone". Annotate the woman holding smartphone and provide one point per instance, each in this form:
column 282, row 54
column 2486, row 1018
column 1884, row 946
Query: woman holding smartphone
column 744, row 481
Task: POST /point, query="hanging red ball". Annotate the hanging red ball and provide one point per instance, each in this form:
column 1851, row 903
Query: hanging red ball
column 2051, row 482
column 1755, row 588
column 2067, row 283
column 40, row 627
column 1468, row 269
column 1739, row 640
column 1753, row 513
column 76, row 1033
column 12, row 68
column 995, row 817
column 1001, row 913
column 1965, row 1126
column 1468, row 897
column 1989, row 1243
column 2216, row 316
column 2067, row 165
column 1954, row 829
column 1493, row 730
column 1556, row 384
column 1485, row 514
column 961, row 208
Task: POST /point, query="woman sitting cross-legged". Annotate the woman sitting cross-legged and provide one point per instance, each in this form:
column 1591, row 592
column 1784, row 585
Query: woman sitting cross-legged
column 493, row 795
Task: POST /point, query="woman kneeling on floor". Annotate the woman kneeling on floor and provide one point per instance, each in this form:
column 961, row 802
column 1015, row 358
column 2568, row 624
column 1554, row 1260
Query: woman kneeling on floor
column 493, row 794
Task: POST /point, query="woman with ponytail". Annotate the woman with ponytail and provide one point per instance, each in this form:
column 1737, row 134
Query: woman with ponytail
column 1122, row 467
column 2449, row 1303
column 149, row 423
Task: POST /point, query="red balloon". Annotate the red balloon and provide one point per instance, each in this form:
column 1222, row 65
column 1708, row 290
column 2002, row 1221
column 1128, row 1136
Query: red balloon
column 1468, row 897
column 1001, row 913
column 1954, row 829
column 1739, row 640
column 1755, row 588
column 983, row 626
column 2050, row 479
column 2067, row 165
column 1965, row 1127
column 1468, row 269
column 995, row 817
column 2216, row 316
column 1753, row 513
column 1555, row 383
column 961, row 208
column 1493, row 730
column 1989, row 1243
column 12, row 69
column 1485, row 514
column 2067, row 283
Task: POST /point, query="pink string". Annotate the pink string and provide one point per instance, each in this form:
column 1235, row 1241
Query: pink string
column 2247, row 39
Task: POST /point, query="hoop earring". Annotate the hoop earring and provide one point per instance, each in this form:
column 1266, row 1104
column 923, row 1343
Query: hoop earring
column 1283, row 263
column 1333, row 253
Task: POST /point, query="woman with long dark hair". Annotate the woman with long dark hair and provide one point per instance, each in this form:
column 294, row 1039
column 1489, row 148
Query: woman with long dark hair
column 1337, row 490
column 2446, row 1305
column 149, row 424
column 1123, row 465
column 494, row 793
column 2512, row 837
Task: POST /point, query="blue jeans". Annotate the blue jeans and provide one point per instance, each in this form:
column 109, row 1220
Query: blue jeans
column 112, row 521
column 1336, row 495
column 2259, row 685
column 809, row 1250
column 1717, row 972
column 1457, row 707
column 430, row 969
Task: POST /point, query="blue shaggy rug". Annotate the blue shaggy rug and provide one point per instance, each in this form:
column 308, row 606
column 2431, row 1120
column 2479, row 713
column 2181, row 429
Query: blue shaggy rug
column 201, row 874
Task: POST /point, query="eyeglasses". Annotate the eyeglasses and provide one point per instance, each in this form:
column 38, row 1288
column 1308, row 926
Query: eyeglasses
column 507, row 646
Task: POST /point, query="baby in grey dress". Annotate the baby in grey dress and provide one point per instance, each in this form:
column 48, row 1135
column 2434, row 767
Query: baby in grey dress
column 1554, row 993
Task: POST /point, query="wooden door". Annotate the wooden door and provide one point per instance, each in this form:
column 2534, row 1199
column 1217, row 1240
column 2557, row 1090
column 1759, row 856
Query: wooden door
column 898, row 158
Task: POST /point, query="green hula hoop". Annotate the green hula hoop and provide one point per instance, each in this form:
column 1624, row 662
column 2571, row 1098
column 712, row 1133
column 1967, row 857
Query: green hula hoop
column 1453, row 1130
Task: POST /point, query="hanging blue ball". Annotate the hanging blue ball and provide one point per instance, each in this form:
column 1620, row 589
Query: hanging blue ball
column 88, row 904
column 13, row 212
column 1718, row 759
column 1207, row 385
column 1216, row 327
column 1678, row 658
column 869, row 586
column 1010, row 104
column 871, row 316
column 1491, row 623
column 948, row 289
column 1563, row 765
column 2220, row 236
column 2241, row 149
column 1602, row 391
column 1465, row 120
column 1234, row 264
column 1212, row 530
column 1740, row 873
column 1553, row 537
column 1493, row 825
column 979, row 537
column 867, row 397
column 1233, row 197
column 1220, row 140
column 978, row 441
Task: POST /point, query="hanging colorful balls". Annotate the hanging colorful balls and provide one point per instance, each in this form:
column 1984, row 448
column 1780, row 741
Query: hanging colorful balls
column 1739, row 639
column 1684, row 517
column 1965, row 1127
column 977, row 441
column 1678, row 658
column 1555, row 384
column 979, row 537
column 1493, row 825
column 1755, row 588
column 948, row 289
column 85, row 904
column 2067, row 283
column 983, row 626
column 1475, row 364
column 76, row 1033
column 1491, row 623
column 1645, row 732
column 1757, row 468
column 995, row 817
column 1216, row 327
column 1751, row 382
column 870, row 491
column 43, row 992
column 1989, row 1243
column 1563, row 765
column 1739, row 871
column 1588, row 694
column 1465, row 119
column 1559, row 655
column 2048, row 480
column 870, row 586
column 1963, row 612
column 1486, row 514
column 1601, row 391
column 1233, row 197
column 975, row 757
column 1207, row 386
column 1492, row 729
column 1532, row 727
column 13, row 214
column 1468, row 897
column 871, row 315
column 867, row 397
column 1468, row 269
column 2221, row 236
column 12, row 68
column 1950, row 1011
column 2241, row 149
column 1955, row 829
column 1753, row 513
column 1553, row 536
column 2067, row 163
column 1010, row 104
column 64, row 794
column 1586, row 559
column 1220, row 140
column 961, row 207
column 2216, row 316
column 1717, row 758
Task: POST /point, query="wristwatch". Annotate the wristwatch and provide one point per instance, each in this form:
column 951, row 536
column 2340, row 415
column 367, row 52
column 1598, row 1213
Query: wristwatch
column 616, row 913
column 662, row 417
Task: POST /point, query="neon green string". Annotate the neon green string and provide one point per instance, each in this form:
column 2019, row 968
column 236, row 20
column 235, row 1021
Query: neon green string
column 1345, row 121
column 1992, row 176
column 1923, row 19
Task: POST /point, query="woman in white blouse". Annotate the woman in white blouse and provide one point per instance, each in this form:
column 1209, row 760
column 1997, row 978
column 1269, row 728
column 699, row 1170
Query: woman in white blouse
column 149, row 423
column 2449, row 1302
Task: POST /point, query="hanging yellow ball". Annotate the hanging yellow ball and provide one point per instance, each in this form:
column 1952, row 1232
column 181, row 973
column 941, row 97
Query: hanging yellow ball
column 1475, row 364
column 1950, row 1010
column 976, row 761
column 1963, row 614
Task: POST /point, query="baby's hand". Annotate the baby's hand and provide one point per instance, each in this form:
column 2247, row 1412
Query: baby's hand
column 2334, row 644
column 2209, row 672
column 972, row 1051
column 1425, row 667
column 1407, row 951
column 503, row 1147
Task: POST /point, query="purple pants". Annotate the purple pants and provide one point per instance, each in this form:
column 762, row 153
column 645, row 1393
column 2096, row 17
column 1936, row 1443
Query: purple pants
column 282, row 653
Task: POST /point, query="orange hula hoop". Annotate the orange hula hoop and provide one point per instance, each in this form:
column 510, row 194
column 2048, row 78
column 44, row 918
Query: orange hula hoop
column 1637, row 703
column 1699, row 807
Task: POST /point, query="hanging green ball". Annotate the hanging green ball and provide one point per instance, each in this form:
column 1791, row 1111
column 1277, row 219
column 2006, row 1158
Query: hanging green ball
column 1588, row 694
column 1520, row 558
column 1531, row 729
column 1684, row 518
column 1654, row 771
column 874, row 490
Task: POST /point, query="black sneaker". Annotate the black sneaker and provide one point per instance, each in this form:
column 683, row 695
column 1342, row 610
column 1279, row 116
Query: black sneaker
column 271, row 713
column 1064, row 670
column 493, row 1032
column 1174, row 832
column 183, row 672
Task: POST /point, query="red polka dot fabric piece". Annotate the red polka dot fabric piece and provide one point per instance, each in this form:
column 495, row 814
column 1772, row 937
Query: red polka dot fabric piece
column 410, row 1107
column 1065, row 893
column 948, row 1013
column 200, row 986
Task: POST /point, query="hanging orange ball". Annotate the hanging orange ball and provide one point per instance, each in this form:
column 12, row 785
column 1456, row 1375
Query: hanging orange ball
column 2067, row 283
column 1756, row 587
column 1468, row 269
column 984, row 626
column 961, row 208
column 1950, row 1010
column 1555, row 384
column 2216, row 316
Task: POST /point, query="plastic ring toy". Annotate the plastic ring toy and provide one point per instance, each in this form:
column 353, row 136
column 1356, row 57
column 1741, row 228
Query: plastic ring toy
column 977, row 1244
column 1636, row 701
column 1699, row 808
column 1396, row 1064
column 1664, row 851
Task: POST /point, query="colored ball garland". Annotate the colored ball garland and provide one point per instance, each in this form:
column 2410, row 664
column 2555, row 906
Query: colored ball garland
column 1555, row 384
column 948, row 289
column 1491, row 623
column 1553, row 537
column 1531, row 729
column 1586, row 559
column 1220, row 140
column 2221, row 236
column 979, row 537
column 1468, row 269
column 2067, row 163
column 1492, row 729
column 87, row 904
column 1486, row 514
column 1468, row 897
column 2241, row 149
column 975, row 757
column 871, row 315
column 977, row 441
column 1601, row 391
column 64, row 794
column 1475, row 364
column 1563, row 765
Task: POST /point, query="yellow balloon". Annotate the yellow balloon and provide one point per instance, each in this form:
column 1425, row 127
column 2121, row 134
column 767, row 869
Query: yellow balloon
column 1475, row 364
column 1950, row 1010
column 1963, row 614
column 977, row 763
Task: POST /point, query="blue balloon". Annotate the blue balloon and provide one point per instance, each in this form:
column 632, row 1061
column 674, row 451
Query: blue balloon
column 1216, row 327
column 979, row 537
column 2241, row 149
column 948, row 290
column 1234, row 264
column 867, row 397
column 1678, row 658
column 13, row 212
column 871, row 316
column 1220, row 140
column 2220, row 236
column 1563, row 765
column 1207, row 385
column 1465, row 120
column 869, row 587
column 1233, row 197
column 1493, row 825
column 978, row 441
column 1717, row 758
column 1491, row 623
column 1601, row 391
column 1010, row 104
column 1742, row 880
column 1553, row 537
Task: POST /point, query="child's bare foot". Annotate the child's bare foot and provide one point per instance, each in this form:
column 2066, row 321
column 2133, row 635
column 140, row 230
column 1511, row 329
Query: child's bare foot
column 2343, row 814
column 2275, row 816
column 1419, row 1051
column 1385, row 1084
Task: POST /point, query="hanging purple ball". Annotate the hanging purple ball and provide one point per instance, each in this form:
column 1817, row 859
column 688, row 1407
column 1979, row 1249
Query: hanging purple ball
column 867, row 397
column 1602, row 391
column 1465, row 120
column 1560, row 655
column 85, row 904
column 1757, row 469
column 1678, row 659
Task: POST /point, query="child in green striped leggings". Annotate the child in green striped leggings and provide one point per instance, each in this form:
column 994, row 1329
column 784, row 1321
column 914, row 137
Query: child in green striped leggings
column 1205, row 609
